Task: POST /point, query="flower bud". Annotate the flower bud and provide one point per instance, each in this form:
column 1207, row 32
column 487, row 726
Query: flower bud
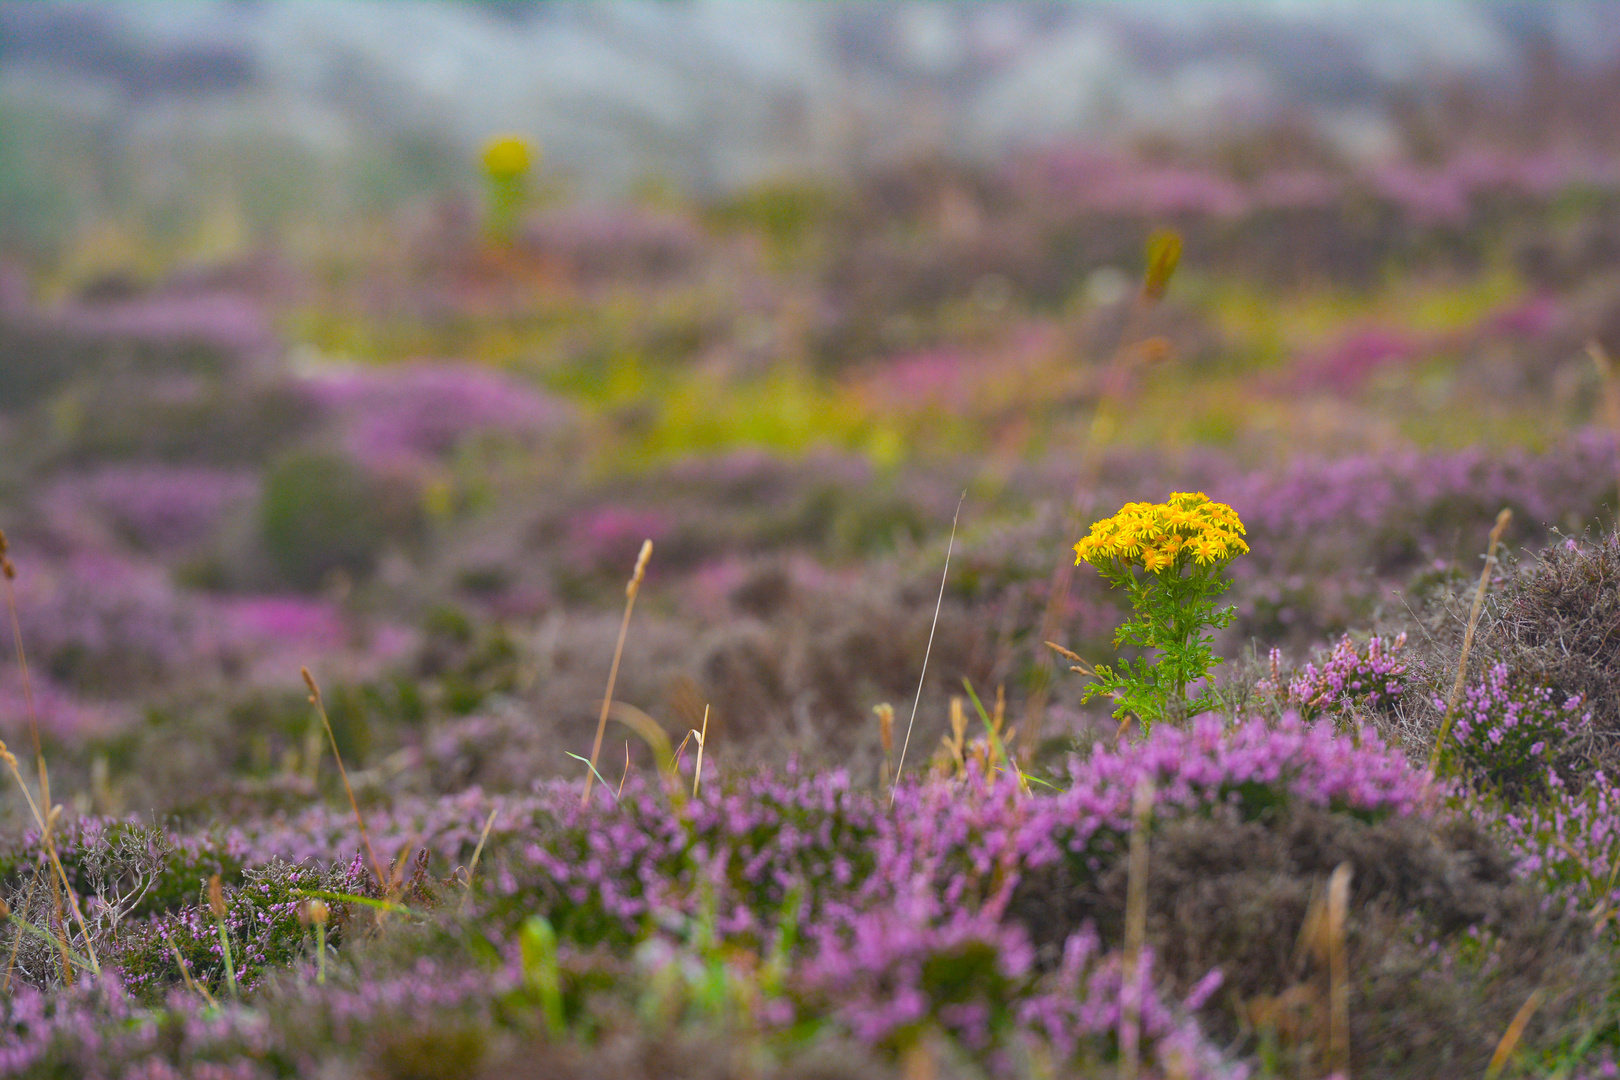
column 312, row 912
column 216, row 897
column 1163, row 255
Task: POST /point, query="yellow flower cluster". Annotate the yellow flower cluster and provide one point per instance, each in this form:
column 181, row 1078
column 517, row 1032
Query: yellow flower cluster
column 1157, row 536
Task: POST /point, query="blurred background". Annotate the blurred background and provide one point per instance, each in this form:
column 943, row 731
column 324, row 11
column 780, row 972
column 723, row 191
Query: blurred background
column 377, row 336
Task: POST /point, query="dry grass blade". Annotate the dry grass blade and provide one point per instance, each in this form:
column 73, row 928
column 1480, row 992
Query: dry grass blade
column 1514, row 1032
column 651, row 733
column 185, row 969
column 1079, row 661
column 702, row 741
column 885, row 715
column 1338, row 911
column 46, row 822
column 1611, row 395
column 1130, row 1022
column 472, row 867
column 927, row 652
column 630, row 591
column 1502, row 520
column 365, row 836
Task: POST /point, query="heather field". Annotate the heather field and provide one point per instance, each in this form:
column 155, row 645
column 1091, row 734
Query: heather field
column 532, row 633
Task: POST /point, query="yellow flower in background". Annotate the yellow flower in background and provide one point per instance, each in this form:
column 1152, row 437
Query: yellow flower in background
column 507, row 160
column 507, row 157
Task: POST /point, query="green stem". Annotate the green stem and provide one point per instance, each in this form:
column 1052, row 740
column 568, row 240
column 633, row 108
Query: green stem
column 230, row 967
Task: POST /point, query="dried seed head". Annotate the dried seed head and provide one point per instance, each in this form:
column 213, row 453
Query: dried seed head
column 641, row 568
column 216, row 897
column 8, row 568
column 312, row 911
column 4, row 547
column 7, row 756
column 309, row 681
column 1163, row 255
column 885, row 715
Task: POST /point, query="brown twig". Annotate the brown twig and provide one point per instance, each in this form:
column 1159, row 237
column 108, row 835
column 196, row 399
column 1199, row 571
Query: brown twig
column 630, row 591
column 1502, row 520
column 365, row 837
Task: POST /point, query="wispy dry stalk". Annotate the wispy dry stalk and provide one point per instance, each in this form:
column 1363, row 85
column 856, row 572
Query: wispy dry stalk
column 472, row 867
column 8, row 574
column 1130, row 1021
column 396, row 875
column 61, row 932
column 665, row 760
column 630, row 592
column 1502, row 520
column 46, row 823
column 1338, row 911
column 1079, row 662
column 1514, row 1032
column 359, row 818
column 928, row 651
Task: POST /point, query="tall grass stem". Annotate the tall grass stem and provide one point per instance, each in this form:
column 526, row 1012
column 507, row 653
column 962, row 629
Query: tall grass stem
column 359, row 818
column 630, row 592
column 928, row 651
column 1502, row 520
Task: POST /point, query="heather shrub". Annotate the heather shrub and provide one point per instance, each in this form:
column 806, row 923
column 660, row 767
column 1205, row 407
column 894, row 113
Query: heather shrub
column 262, row 923
column 1356, row 681
column 1512, row 734
column 1232, row 892
column 1570, row 841
column 319, row 513
column 1553, row 624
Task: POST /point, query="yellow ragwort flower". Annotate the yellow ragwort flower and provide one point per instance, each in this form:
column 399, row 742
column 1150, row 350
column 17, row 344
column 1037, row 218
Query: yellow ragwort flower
column 1165, row 536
